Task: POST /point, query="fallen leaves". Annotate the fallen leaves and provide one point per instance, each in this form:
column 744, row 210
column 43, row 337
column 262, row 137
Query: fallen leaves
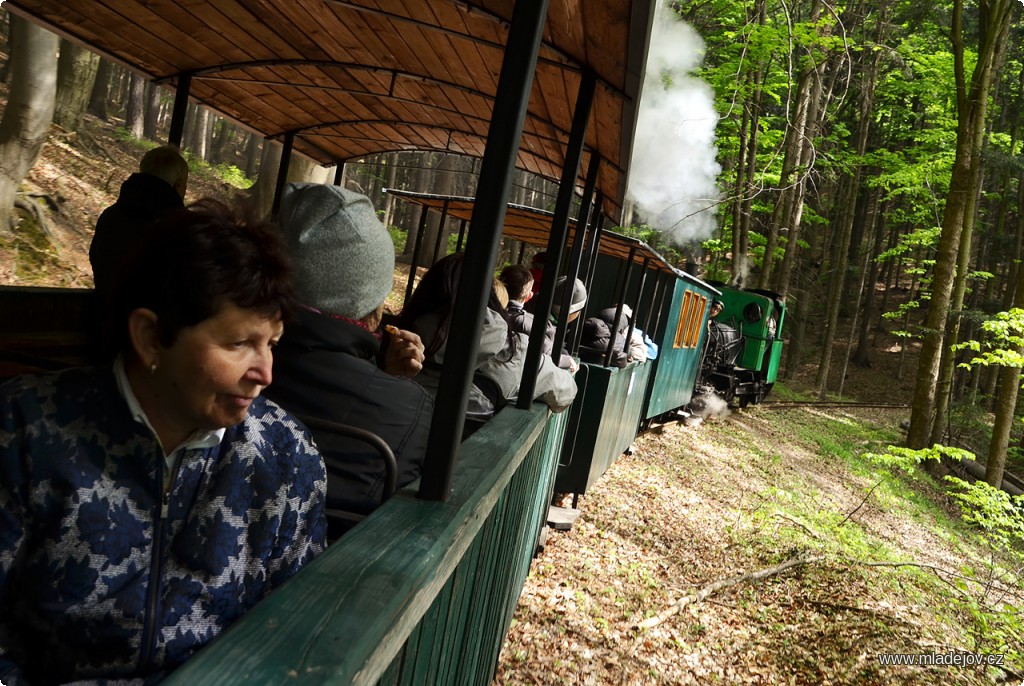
column 691, row 507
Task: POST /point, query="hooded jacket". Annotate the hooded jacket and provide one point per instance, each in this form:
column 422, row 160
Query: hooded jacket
column 522, row 322
column 326, row 367
column 144, row 198
column 103, row 574
column 555, row 387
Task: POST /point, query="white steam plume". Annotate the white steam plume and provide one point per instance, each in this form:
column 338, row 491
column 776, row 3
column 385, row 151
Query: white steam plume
column 673, row 173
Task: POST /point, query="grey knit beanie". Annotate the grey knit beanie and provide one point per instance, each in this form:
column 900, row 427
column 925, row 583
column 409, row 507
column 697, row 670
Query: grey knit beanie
column 344, row 257
column 577, row 301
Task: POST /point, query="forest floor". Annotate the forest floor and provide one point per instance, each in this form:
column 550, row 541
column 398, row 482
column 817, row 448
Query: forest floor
column 690, row 506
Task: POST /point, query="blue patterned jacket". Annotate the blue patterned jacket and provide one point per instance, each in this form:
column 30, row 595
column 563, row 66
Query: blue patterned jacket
column 101, row 577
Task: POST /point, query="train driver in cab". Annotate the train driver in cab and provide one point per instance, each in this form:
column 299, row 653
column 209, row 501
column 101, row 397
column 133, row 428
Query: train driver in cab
column 148, row 503
column 716, row 309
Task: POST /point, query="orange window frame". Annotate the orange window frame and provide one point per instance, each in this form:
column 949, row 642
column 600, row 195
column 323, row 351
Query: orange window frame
column 682, row 325
column 698, row 314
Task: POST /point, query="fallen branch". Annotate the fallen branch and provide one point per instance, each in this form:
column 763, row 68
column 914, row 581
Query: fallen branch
column 810, row 532
column 703, row 593
column 939, row 570
column 847, row 518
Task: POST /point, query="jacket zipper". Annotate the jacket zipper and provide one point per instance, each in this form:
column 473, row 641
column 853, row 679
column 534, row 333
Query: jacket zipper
column 148, row 645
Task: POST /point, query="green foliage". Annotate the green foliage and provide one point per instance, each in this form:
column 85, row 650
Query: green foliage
column 1004, row 344
column 997, row 518
column 907, row 459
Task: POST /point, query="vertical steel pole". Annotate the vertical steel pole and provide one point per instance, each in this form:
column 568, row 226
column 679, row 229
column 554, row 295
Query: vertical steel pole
column 636, row 303
column 668, row 289
column 582, row 229
column 416, row 253
column 180, row 109
column 282, row 172
column 556, row 239
column 440, row 230
column 339, row 173
column 462, row 236
column 508, row 115
column 620, row 296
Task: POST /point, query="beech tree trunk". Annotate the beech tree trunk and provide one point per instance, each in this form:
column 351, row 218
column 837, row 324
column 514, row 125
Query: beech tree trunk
column 300, row 168
column 972, row 106
column 135, row 112
column 151, row 117
column 100, row 89
column 76, row 73
column 29, row 111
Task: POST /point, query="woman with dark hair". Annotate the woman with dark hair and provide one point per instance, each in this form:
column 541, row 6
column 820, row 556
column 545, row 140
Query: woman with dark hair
column 502, row 352
column 148, row 503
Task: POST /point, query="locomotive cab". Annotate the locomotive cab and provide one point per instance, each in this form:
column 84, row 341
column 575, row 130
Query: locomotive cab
column 741, row 359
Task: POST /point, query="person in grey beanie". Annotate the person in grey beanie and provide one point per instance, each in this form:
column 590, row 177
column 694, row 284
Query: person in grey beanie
column 333, row 363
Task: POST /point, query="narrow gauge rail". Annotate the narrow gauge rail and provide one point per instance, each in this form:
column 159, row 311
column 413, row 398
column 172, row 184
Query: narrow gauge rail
column 422, row 591
column 786, row 404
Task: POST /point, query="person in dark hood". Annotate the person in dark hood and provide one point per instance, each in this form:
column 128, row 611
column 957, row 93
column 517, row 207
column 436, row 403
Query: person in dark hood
column 157, row 189
column 333, row 362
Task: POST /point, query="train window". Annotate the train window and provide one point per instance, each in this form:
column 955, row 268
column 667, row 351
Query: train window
column 698, row 316
column 684, row 320
column 752, row 313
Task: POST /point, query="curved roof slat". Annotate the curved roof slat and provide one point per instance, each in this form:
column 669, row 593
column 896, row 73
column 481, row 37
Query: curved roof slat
column 533, row 226
column 302, row 65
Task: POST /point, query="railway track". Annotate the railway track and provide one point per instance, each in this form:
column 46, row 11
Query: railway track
column 825, row 403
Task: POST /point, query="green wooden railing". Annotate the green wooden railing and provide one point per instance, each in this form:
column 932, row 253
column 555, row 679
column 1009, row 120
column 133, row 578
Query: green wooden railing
column 420, row 592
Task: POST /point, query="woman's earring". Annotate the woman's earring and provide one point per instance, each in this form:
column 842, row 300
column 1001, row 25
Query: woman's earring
column 152, row 368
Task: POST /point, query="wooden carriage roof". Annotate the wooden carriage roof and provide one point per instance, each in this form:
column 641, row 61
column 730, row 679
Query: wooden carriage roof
column 531, row 225
column 356, row 77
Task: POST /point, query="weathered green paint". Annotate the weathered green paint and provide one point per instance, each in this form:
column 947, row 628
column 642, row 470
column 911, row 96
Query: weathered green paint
column 419, row 592
column 762, row 350
column 603, row 423
column 676, row 369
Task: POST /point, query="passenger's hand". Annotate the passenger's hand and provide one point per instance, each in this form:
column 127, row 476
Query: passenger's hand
column 404, row 355
column 573, row 365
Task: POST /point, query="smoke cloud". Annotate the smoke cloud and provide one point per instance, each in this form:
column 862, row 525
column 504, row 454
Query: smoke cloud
column 673, row 171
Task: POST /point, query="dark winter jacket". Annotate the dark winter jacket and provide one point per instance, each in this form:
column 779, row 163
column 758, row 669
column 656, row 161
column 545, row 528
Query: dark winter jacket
column 522, row 322
column 104, row 576
column 144, row 198
column 594, row 341
column 326, row 367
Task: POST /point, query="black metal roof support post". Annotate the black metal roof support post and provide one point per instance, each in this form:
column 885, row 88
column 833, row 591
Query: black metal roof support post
column 416, row 252
column 620, row 295
column 440, row 229
column 667, row 289
column 180, row 109
column 339, row 173
column 282, row 172
column 573, row 268
column 508, row 116
column 595, row 248
column 636, row 303
column 556, row 239
column 656, row 296
column 462, row 236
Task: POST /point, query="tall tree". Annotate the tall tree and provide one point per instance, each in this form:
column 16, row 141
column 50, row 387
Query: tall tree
column 76, row 73
column 135, row 112
column 29, row 110
column 972, row 106
column 100, row 90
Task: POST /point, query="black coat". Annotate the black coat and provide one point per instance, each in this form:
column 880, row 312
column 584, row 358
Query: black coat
column 144, row 198
column 327, row 368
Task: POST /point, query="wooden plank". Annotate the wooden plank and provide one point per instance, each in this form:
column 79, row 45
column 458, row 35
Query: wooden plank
column 369, row 591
